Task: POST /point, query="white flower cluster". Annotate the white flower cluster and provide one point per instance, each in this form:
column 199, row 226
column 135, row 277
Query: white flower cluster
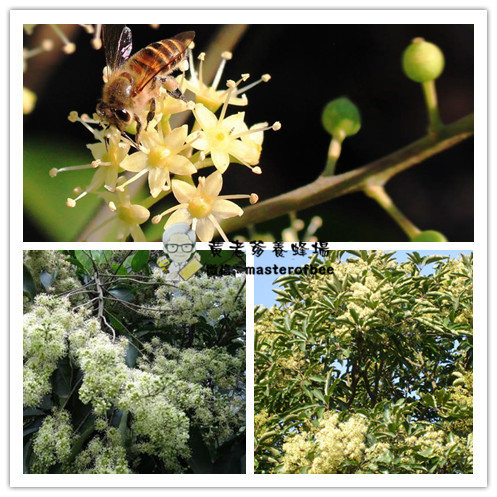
column 199, row 297
column 322, row 449
column 45, row 331
column 208, row 384
column 169, row 391
column 56, row 267
column 102, row 456
column 53, row 441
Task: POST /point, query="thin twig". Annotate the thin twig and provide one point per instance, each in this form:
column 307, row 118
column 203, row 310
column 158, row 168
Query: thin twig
column 376, row 172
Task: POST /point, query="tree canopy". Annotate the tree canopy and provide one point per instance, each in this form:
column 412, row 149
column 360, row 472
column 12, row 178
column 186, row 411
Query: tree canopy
column 368, row 370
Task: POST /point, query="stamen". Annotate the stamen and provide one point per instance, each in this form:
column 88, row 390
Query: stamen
column 192, row 138
column 314, row 225
column 71, row 202
column 54, row 171
column 157, row 219
column 88, row 28
column 263, row 79
column 121, row 187
column 201, row 57
column 231, row 87
column 253, row 197
column 84, row 119
column 68, row 47
column 264, row 127
column 225, row 56
column 192, row 67
column 97, row 39
column 213, row 220
column 46, row 46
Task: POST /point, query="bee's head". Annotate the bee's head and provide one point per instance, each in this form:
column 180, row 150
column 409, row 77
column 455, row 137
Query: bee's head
column 120, row 118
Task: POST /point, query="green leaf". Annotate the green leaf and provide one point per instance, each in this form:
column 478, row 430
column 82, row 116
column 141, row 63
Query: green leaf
column 429, row 400
column 200, row 461
column 131, row 355
column 85, row 260
column 354, row 315
column 386, row 457
column 140, row 260
column 317, row 378
column 299, row 334
column 427, row 452
column 319, row 395
column 123, row 293
column 62, row 379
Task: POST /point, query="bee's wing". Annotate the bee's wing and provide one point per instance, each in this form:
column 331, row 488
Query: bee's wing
column 117, row 44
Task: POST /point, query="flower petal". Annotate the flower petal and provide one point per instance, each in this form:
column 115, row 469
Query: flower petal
column 135, row 162
column 183, row 191
column 111, row 177
column 179, row 216
column 200, row 143
column 220, row 159
column 97, row 150
column 224, row 209
column 157, row 179
column 245, row 153
column 179, row 164
column 205, row 230
column 205, row 117
column 176, row 139
column 213, row 184
column 235, row 123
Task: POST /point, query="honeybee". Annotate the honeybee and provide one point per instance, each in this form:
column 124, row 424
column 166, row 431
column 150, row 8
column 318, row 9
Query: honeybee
column 134, row 82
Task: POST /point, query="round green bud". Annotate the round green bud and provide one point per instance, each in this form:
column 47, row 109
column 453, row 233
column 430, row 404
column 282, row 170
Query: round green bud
column 429, row 236
column 341, row 118
column 422, row 61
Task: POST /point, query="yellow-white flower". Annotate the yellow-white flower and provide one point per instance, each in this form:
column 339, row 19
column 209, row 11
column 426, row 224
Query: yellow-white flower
column 222, row 138
column 209, row 95
column 159, row 156
column 202, row 207
column 129, row 216
column 108, row 153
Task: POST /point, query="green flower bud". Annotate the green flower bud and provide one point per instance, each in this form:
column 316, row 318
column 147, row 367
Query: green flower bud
column 422, row 61
column 429, row 236
column 341, row 118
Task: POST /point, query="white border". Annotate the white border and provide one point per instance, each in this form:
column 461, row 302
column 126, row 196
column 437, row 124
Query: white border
column 272, row 16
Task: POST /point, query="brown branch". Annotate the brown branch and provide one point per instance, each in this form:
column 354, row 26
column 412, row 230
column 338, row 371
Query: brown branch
column 376, row 172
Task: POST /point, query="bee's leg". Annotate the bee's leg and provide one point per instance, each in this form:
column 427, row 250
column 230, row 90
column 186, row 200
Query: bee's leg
column 172, row 87
column 138, row 129
column 151, row 112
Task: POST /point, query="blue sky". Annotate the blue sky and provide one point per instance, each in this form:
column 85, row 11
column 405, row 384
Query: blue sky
column 263, row 285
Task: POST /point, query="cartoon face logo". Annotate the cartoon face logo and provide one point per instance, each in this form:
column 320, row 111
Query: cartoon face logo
column 179, row 245
column 179, row 242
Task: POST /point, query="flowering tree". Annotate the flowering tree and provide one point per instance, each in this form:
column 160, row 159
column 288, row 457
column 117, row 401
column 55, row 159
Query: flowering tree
column 192, row 154
column 369, row 370
column 126, row 372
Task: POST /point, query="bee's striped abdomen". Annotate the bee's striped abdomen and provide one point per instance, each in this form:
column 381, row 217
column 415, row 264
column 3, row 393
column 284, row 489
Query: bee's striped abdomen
column 158, row 57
